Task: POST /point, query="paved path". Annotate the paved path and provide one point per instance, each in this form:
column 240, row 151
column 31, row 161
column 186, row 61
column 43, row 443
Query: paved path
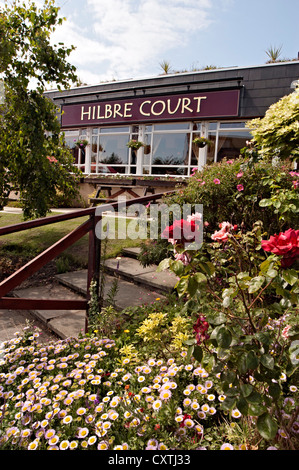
column 135, row 286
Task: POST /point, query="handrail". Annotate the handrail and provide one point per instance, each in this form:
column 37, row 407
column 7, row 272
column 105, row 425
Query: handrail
column 77, row 214
column 94, row 253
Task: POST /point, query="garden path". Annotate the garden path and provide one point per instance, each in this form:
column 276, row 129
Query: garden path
column 135, row 286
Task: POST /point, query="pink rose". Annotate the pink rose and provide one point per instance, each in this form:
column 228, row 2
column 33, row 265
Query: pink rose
column 284, row 244
column 240, row 174
column 216, row 181
column 240, row 187
column 222, row 234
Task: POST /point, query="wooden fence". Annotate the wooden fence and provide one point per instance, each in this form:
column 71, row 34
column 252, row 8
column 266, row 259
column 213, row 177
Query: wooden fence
column 94, row 256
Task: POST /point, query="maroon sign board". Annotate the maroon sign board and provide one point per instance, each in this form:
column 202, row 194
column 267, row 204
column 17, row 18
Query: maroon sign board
column 211, row 104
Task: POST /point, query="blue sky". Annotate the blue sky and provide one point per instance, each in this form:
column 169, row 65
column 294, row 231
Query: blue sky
column 121, row 39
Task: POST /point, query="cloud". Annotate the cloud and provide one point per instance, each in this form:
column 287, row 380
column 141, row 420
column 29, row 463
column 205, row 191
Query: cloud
column 128, row 38
column 121, row 39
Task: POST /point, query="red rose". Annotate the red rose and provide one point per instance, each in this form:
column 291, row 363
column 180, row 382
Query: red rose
column 285, row 244
column 182, row 231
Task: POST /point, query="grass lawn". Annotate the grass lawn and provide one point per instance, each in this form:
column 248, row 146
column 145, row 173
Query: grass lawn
column 27, row 244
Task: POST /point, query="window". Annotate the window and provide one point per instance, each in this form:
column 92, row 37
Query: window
column 227, row 139
column 79, row 152
column 169, row 149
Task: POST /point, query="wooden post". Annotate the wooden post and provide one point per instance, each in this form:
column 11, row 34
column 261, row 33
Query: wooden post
column 94, row 260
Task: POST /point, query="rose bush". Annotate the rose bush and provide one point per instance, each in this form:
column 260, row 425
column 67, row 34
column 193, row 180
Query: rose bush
column 284, row 244
column 247, row 325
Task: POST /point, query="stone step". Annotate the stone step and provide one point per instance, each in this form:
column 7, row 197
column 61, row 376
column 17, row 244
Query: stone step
column 72, row 286
column 131, row 270
column 128, row 294
column 131, row 252
column 64, row 323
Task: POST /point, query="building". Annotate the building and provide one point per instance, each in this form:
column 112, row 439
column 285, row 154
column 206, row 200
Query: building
column 166, row 113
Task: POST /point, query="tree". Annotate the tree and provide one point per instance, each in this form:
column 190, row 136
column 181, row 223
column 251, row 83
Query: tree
column 277, row 133
column 33, row 158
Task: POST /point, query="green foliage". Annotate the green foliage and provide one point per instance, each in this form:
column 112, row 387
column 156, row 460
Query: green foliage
column 250, row 304
column 232, row 191
column 34, row 160
column 277, row 133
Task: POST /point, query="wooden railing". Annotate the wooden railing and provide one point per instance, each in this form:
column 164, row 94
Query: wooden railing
column 94, row 256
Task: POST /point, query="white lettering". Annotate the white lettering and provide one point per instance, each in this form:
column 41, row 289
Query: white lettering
column 177, row 106
column 117, row 108
column 83, row 113
column 108, row 111
column 141, row 108
column 99, row 113
column 186, row 102
column 162, row 110
column 199, row 98
column 128, row 109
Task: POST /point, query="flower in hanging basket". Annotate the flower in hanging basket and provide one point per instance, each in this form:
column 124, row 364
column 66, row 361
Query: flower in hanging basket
column 201, row 141
column 82, row 143
column 135, row 144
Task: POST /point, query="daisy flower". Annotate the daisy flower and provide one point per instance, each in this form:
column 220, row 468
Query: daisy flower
column 236, row 413
column 67, row 419
column 81, row 411
column 64, row 445
column 103, row 445
column 92, row 440
column 165, row 395
column 157, row 404
column 82, row 433
column 33, row 445
column 226, row 446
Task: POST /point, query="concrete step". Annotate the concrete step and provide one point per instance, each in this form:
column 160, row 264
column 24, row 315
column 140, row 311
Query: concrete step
column 128, row 294
column 72, row 286
column 131, row 252
column 64, row 323
column 131, row 270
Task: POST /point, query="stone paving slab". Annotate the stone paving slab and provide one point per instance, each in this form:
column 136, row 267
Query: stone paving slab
column 128, row 294
column 131, row 269
column 64, row 323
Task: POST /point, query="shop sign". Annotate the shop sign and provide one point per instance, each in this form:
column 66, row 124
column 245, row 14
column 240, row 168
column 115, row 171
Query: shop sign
column 213, row 104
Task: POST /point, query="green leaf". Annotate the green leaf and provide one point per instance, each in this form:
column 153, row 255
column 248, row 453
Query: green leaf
column 294, row 353
column 217, row 319
column 164, row 265
column 182, row 285
column 198, row 353
column 255, row 284
column 265, row 202
column 243, row 406
column 256, row 409
column 254, row 398
column 248, row 361
column 192, row 286
column 266, row 426
column 200, row 277
column 274, row 390
column 224, row 338
column 267, row 361
column 246, row 390
column 177, row 267
column 290, row 276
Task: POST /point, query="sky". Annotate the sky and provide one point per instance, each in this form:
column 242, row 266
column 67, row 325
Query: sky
column 129, row 39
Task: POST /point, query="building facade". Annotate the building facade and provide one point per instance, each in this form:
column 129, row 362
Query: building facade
column 166, row 113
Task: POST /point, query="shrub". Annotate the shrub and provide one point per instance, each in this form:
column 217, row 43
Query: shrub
column 232, row 191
